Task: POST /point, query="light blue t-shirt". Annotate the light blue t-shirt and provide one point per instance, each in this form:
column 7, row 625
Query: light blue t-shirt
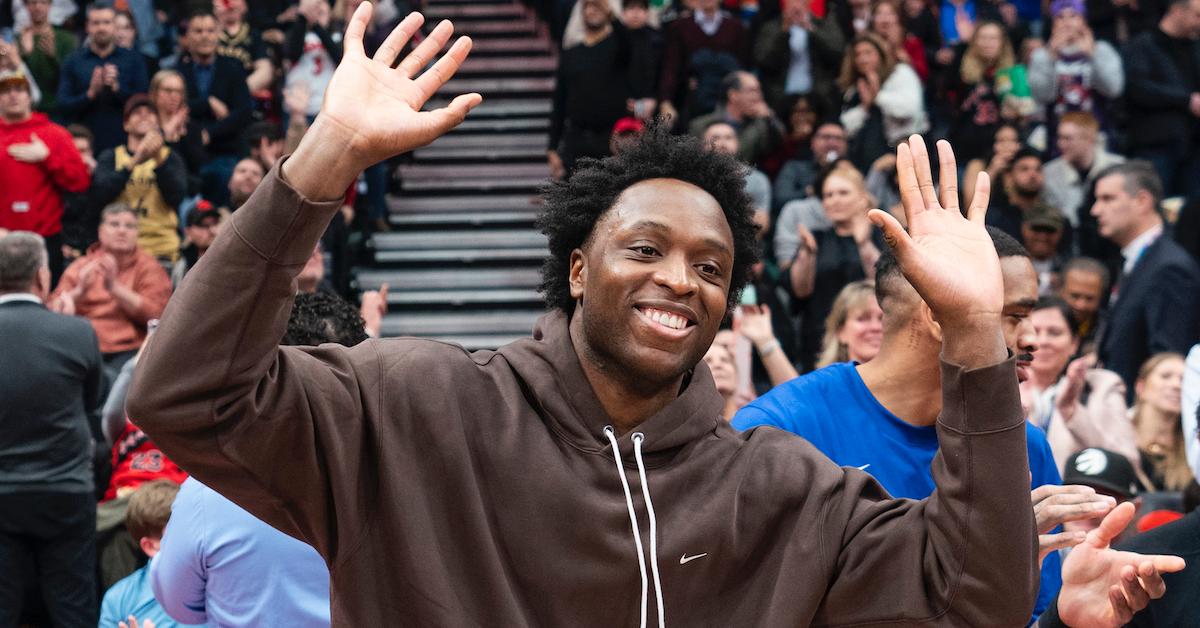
column 834, row 410
column 132, row 595
column 221, row 566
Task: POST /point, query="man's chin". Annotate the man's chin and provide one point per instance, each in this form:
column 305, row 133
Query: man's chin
column 1022, row 372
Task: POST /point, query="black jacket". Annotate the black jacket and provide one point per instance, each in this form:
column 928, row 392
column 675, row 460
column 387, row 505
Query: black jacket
column 1157, row 91
column 228, row 86
column 1157, row 309
column 52, row 383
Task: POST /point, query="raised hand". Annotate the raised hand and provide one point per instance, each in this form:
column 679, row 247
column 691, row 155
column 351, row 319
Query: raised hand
column 1103, row 587
column 949, row 259
column 395, row 96
column 343, row 140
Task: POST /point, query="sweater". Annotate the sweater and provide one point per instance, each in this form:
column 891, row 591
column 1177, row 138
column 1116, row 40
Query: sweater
column 118, row 330
column 154, row 188
column 451, row 488
column 31, row 194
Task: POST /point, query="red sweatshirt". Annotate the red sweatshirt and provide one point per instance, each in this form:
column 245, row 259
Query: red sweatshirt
column 30, row 193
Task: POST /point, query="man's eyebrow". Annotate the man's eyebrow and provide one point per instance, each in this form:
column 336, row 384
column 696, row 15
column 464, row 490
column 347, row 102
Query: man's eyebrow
column 1024, row 304
column 655, row 225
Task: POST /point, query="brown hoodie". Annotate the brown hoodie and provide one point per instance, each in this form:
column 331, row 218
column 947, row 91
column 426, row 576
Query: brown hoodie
column 446, row 488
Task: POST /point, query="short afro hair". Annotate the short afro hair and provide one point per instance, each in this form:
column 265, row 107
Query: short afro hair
column 319, row 318
column 573, row 207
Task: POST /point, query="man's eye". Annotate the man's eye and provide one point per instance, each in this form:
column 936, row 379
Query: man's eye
column 646, row 250
column 710, row 269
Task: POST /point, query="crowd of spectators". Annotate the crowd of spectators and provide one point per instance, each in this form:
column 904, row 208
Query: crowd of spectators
column 130, row 130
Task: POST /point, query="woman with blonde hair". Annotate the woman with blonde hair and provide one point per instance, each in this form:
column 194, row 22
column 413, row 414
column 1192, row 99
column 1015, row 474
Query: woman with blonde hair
column 987, row 88
column 854, row 327
column 828, row 259
column 1156, row 418
column 882, row 100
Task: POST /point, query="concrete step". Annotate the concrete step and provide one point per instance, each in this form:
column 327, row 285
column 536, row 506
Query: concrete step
column 502, row 108
column 465, row 219
column 523, row 45
column 498, row 87
column 481, row 154
column 506, row 140
column 482, row 185
column 500, row 125
column 442, row 204
column 507, row 66
column 502, row 28
column 475, row 10
column 442, row 240
column 467, row 172
column 405, row 280
column 511, row 323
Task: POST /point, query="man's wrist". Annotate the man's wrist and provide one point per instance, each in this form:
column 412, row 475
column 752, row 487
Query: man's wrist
column 973, row 341
column 325, row 163
column 767, row 348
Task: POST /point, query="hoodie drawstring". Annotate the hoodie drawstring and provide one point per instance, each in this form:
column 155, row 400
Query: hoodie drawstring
column 637, row 533
column 637, row 455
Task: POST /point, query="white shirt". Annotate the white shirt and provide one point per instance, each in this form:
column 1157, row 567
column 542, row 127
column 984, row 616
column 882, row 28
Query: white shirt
column 710, row 24
column 1133, row 251
column 20, row 296
column 799, row 76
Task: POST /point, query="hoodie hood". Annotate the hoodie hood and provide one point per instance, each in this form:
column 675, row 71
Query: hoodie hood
column 549, row 367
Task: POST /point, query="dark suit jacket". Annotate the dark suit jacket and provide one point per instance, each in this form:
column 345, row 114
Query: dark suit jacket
column 1157, row 92
column 229, row 87
column 52, row 381
column 1157, row 310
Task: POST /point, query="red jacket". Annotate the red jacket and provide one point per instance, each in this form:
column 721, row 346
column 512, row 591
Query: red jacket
column 29, row 193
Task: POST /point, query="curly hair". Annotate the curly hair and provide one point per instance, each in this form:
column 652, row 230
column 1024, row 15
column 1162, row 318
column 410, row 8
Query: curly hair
column 573, row 207
column 318, row 318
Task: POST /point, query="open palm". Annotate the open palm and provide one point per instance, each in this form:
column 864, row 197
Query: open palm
column 380, row 106
column 1105, row 587
column 948, row 258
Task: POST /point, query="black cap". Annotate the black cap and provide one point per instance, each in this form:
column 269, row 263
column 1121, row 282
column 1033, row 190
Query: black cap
column 1102, row 469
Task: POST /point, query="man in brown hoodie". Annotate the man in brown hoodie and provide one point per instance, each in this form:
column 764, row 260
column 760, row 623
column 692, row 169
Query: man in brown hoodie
column 555, row 481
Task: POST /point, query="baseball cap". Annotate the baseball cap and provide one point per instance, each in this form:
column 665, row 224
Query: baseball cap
column 1103, row 470
column 628, row 124
column 135, row 101
column 1045, row 217
column 13, row 77
column 201, row 212
column 1058, row 6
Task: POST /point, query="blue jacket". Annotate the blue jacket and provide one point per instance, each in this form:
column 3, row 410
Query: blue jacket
column 104, row 115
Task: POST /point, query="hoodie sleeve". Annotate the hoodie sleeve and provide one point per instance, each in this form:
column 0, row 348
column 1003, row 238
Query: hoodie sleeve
column 286, row 433
column 967, row 555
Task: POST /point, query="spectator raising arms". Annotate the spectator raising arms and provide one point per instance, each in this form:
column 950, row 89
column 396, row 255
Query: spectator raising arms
column 882, row 103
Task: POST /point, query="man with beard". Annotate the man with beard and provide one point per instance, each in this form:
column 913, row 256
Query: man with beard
column 1019, row 194
column 406, row 463
column 887, row 407
column 98, row 79
column 247, row 174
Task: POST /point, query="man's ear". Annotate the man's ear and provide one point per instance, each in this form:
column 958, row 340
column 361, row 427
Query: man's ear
column 42, row 283
column 578, row 275
column 150, row 545
column 926, row 319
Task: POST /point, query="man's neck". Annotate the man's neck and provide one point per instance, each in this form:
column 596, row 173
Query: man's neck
column 208, row 60
column 232, row 27
column 623, row 400
column 18, row 119
column 593, row 36
column 905, row 380
column 1085, row 161
column 1154, row 222
column 102, row 51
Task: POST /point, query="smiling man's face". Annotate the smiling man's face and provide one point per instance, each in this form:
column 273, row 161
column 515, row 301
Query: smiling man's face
column 652, row 281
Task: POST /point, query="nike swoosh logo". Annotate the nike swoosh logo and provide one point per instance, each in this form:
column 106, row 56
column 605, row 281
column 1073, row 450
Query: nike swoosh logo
column 683, row 560
column 864, row 467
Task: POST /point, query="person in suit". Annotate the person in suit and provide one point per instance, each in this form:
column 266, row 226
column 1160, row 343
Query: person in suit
column 52, row 381
column 1155, row 304
column 218, row 100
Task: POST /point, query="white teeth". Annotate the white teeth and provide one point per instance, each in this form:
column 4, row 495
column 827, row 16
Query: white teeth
column 666, row 319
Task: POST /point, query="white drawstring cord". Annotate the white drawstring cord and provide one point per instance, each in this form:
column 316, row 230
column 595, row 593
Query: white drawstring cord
column 638, row 437
column 637, row 534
